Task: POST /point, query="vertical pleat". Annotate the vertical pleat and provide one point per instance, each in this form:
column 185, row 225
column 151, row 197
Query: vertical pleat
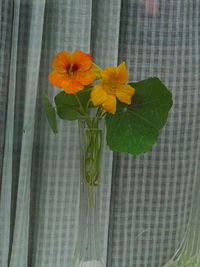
column 6, row 183
column 105, row 31
column 19, row 246
column 6, row 15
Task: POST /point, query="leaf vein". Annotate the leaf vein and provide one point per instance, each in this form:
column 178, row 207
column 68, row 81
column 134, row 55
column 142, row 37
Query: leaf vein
column 141, row 117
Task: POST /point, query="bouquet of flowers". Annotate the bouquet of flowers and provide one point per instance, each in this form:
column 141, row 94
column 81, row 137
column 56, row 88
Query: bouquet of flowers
column 134, row 112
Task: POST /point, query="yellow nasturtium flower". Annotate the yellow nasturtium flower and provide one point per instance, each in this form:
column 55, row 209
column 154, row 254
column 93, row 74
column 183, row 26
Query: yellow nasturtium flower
column 112, row 87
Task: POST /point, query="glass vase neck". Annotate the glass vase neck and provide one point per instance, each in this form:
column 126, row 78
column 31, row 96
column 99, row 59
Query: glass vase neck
column 88, row 251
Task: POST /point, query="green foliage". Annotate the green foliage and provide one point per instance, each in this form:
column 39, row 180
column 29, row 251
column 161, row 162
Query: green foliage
column 135, row 127
column 50, row 113
column 69, row 106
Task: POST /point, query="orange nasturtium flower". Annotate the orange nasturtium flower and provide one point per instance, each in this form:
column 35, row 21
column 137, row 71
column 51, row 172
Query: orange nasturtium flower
column 72, row 72
column 112, row 86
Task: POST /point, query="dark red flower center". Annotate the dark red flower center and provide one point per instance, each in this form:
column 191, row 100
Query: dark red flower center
column 72, row 68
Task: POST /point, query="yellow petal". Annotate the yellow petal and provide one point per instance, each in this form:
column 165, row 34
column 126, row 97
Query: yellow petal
column 116, row 75
column 98, row 95
column 124, row 93
column 56, row 78
column 109, row 74
column 122, row 73
column 62, row 61
column 110, row 104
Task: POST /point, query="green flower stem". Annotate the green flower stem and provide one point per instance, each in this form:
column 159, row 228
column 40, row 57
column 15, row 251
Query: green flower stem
column 81, row 106
column 99, row 112
column 92, row 155
column 84, row 113
column 94, row 138
column 88, row 105
column 93, row 143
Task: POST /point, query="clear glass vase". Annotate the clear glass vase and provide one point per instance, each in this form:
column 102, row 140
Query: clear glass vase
column 188, row 255
column 88, row 250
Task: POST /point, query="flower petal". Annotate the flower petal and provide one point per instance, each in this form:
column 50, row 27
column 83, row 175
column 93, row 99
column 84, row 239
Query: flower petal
column 122, row 73
column 110, row 104
column 116, row 75
column 124, row 93
column 82, row 60
column 62, row 61
column 56, row 78
column 98, row 95
column 109, row 74
column 84, row 77
column 71, row 86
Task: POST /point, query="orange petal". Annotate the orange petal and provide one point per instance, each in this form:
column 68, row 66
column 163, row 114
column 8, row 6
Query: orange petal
column 110, row 104
column 62, row 61
column 82, row 60
column 56, row 78
column 98, row 95
column 124, row 93
column 71, row 86
column 84, row 77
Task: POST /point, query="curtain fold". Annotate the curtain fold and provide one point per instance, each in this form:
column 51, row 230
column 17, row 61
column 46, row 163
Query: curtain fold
column 151, row 193
column 15, row 211
column 8, row 129
column 19, row 254
column 145, row 200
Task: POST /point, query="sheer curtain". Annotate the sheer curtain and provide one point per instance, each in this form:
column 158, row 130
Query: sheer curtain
column 145, row 200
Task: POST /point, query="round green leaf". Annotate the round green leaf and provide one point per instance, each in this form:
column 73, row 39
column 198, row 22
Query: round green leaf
column 135, row 127
column 67, row 106
column 66, row 112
